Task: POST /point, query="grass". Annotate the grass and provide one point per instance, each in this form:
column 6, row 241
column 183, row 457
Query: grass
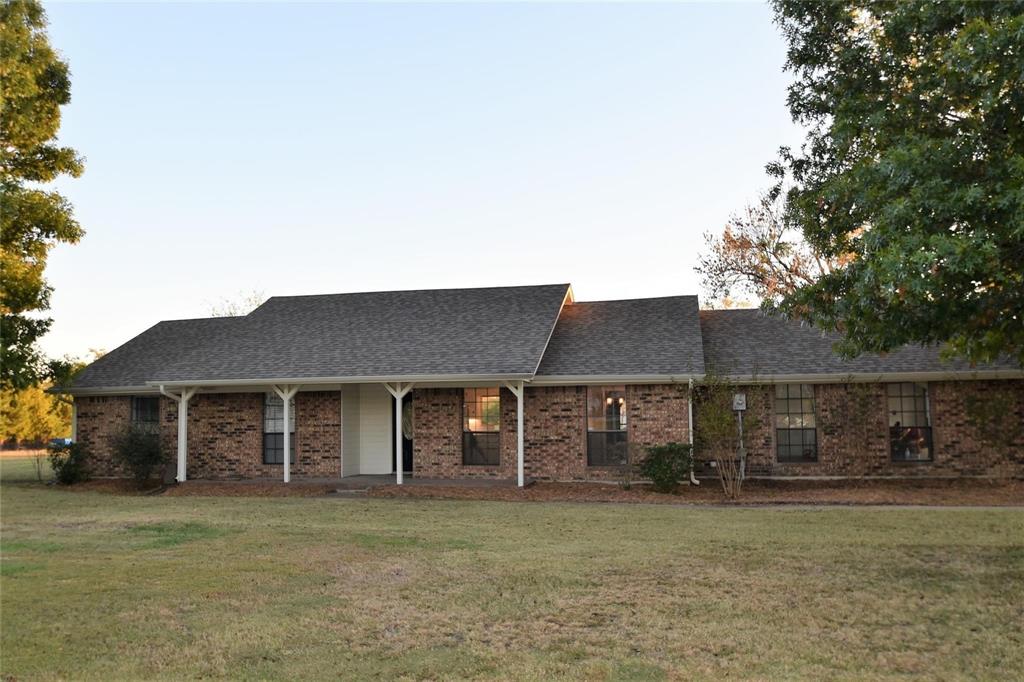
column 110, row 587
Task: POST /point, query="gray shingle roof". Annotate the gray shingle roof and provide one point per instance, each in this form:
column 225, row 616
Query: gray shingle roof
column 647, row 336
column 500, row 331
column 138, row 360
column 491, row 331
column 748, row 342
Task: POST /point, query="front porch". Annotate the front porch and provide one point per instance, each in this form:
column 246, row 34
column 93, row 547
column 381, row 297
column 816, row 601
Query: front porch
column 359, row 434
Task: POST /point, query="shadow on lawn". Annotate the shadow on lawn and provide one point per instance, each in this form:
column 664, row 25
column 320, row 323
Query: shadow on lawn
column 171, row 534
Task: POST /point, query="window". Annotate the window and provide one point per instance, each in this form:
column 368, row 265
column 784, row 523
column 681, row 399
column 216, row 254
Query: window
column 910, row 429
column 607, row 440
column 796, row 438
column 273, row 429
column 146, row 413
column 481, row 423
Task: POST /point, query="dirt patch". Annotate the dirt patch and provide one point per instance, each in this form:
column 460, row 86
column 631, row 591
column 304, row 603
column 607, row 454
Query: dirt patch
column 113, row 486
column 249, row 489
column 952, row 492
column 959, row 492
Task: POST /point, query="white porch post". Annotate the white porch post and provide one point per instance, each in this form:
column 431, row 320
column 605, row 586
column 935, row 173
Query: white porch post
column 517, row 391
column 286, row 393
column 74, row 420
column 182, row 400
column 398, row 391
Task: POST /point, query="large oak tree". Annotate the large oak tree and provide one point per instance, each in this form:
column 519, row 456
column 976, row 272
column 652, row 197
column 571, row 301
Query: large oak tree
column 34, row 85
column 913, row 167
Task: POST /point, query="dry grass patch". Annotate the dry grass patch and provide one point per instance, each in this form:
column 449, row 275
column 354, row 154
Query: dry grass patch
column 958, row 492
column 119, row 587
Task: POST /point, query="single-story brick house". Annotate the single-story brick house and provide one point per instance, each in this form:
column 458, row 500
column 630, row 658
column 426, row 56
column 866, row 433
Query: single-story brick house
column 525, row 382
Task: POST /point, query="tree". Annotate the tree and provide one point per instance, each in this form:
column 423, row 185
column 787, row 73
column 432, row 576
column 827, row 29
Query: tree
column 759, row 255
column 32, row 416
column 243, row 304
column 35, row 85
column 913, row 164
column 717, row 429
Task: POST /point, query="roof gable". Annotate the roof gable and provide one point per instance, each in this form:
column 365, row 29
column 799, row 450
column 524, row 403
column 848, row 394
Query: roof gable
column 499, row 331
column 634, row 338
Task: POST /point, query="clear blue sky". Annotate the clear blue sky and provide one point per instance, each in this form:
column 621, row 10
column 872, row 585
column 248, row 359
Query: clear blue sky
column 327, row 148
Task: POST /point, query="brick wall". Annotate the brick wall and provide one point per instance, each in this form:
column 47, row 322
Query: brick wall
column 853, row 433
column 555, row 444
column 99, row 418
column 225, row 434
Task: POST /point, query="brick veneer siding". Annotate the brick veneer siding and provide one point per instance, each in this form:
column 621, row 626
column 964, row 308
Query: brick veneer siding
column 853, row 433
column 225, row 434
column 554, row 434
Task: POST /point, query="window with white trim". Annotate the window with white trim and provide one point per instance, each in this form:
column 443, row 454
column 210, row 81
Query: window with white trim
column 273, row 429
column 481, row 426
column 146, row 413
column 796, row 436
column 607, row 428
column 910, row 427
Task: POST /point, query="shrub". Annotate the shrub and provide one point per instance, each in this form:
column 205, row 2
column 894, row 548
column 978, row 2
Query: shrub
column 69, row 462
column 139, row 451
column 667, row 465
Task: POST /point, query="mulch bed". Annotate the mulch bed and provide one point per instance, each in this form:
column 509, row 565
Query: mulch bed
column 114, row 486
column 249, row 489
column 968, row 492
column 953, row 492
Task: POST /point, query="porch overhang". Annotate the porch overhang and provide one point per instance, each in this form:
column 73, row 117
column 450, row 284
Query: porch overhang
column 418, row 379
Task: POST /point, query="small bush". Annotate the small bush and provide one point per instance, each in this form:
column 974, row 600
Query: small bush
column 69, row 462
column 667, row 465
column 139, row 451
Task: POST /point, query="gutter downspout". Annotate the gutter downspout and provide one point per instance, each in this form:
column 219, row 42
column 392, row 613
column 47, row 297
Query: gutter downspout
column 689, row 429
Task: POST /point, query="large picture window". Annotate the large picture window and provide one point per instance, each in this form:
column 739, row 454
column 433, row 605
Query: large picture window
column 607, row 432
column 146, row 413
column 481, row 424
column 796, row 435
column 910, row 428
column 273, row 429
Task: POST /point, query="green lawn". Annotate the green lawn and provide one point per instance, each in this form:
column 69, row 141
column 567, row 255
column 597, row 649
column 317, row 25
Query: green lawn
column 106, row 587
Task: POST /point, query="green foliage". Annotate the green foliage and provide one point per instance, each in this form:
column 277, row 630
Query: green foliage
column 716, row 431
column 912, row 171
column 33, row 416
column 35, row 85
column 139, row 451
column 666, row 466
column 70, row 463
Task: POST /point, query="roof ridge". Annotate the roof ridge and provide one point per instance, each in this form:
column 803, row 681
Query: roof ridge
column 411, row 291
column 208, row 317
column 639, row 298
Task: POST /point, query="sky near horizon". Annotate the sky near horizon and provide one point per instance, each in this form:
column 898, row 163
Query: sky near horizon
column 320, row 148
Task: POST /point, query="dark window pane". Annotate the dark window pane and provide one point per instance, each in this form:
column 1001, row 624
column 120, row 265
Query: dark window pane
column 607, row 448
column 796, row 445
column 273, row 448
column 481, row 448
column 146, row 413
